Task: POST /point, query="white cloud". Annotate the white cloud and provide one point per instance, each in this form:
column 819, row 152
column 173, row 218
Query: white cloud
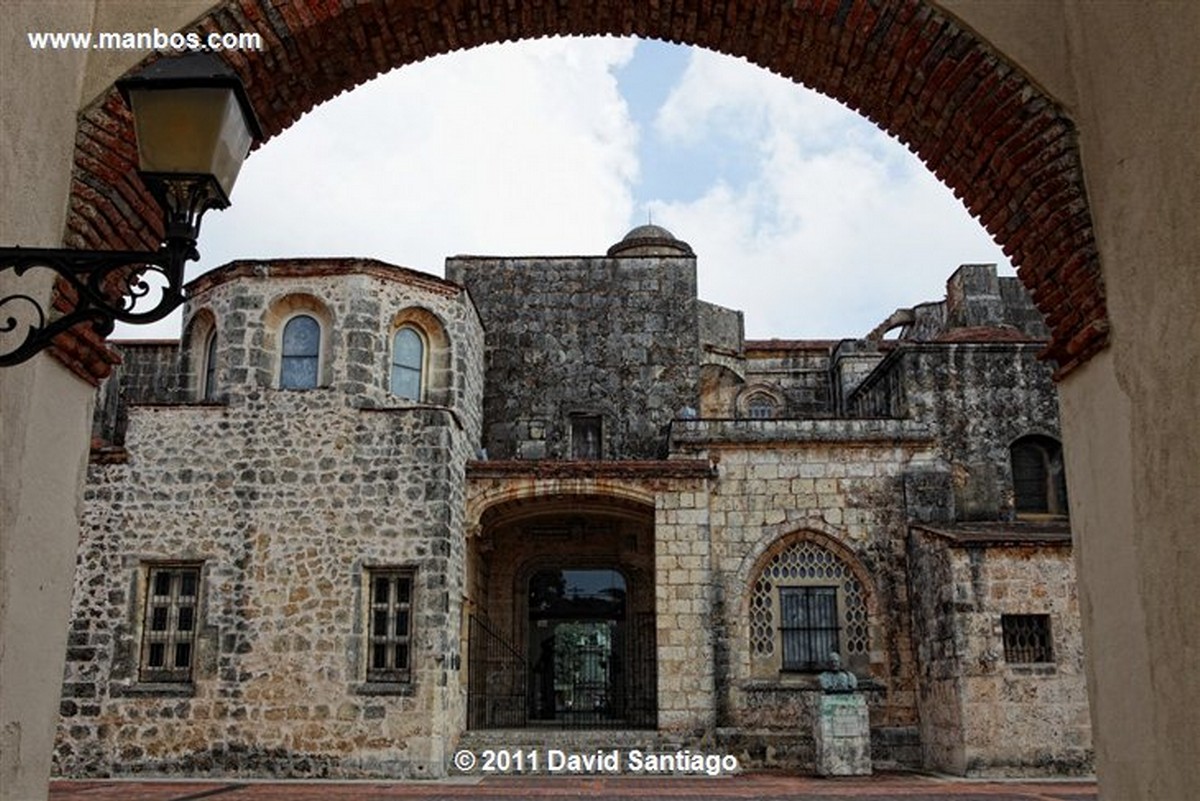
column 529, row 149
column 839, row 224
column 487, row 150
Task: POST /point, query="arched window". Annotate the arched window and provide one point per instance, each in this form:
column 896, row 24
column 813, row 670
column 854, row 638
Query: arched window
column 760, row 402
column 761, row 407
column 210, row 367
column 805, row 605
column 408, row 363
column 299, row 365
column 1039, row 482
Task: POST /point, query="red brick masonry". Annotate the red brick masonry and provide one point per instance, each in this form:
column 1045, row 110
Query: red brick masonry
column 1007, row 149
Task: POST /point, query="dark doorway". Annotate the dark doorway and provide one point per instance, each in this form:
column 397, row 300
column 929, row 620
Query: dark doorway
column 582, row 659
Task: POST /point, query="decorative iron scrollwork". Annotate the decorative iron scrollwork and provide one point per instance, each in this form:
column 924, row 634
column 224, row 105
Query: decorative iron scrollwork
column 104, row 287
column 107, row 287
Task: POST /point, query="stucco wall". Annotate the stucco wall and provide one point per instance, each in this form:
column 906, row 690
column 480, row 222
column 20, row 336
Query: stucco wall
column 44, row 410
column 1127, row 72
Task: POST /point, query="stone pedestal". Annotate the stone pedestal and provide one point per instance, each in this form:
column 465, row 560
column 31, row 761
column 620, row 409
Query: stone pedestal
column 842, row 734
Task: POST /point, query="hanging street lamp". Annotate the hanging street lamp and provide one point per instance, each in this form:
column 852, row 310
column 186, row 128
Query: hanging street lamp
column 194, row 126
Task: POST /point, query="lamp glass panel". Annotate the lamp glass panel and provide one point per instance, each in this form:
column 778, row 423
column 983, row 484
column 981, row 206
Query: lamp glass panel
column 191, row 131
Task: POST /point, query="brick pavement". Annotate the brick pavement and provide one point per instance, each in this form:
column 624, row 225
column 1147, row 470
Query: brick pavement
column 883, row 787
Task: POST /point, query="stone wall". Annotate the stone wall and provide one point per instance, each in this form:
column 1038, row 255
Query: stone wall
column 798, row 370
column 148, row 373
column 615, row 338
column 977, row 298
column 285, row 504
column 358, row 302
column 982, row 714
column 939, row 658
column 286, row 500
column 838, row 484
column 977, row 398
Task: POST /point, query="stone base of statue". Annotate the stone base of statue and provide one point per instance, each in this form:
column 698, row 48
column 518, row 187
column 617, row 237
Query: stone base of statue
column 842, row 734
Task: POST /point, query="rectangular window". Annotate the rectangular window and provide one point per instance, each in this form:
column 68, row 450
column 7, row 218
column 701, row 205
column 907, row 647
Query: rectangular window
column 809, row 626
column 169, row 629
column 390, row 625
column 585, row 437
column 1026, row 638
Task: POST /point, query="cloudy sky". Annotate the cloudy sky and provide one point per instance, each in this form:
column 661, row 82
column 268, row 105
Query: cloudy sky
column 802, row 214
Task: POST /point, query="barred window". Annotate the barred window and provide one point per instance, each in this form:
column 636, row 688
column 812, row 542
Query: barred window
column 169, row 631
column 790, row 630
column 808, row 626
column 390, row 625
column 1027, row 638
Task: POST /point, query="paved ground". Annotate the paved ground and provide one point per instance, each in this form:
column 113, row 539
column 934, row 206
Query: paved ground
column 883, row 787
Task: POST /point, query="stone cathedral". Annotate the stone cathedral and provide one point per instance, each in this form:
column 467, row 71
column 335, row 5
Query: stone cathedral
column 360, row 516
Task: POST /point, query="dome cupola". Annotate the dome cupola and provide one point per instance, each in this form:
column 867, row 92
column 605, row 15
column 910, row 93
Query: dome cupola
column 650, row 240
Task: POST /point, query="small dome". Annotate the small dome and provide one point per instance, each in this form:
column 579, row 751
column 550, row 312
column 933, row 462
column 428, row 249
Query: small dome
column 650, row 240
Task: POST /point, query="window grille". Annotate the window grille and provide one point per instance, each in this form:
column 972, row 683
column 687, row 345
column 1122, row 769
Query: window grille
column 1026, row 638
column 408, row 361
column 390, row 625
column 169, row 630
column 806, row 563
column 301, row 355
column 808, row 626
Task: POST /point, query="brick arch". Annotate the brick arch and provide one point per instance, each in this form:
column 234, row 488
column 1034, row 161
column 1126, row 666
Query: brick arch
column 1006, row 149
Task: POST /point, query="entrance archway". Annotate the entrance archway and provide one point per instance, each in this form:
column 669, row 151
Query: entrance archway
column 1006, row 148
column 562, row 615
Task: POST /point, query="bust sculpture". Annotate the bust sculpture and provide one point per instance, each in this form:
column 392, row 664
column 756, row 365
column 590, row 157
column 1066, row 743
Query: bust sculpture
column 837, row 680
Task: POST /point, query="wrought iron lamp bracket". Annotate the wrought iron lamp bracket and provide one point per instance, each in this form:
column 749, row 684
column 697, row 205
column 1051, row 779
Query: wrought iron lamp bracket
column 107, row 286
